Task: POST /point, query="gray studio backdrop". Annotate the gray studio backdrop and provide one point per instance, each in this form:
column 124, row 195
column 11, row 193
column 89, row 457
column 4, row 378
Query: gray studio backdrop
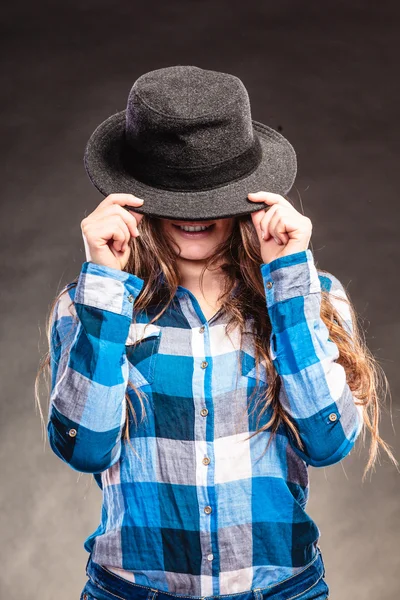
column 324, row 74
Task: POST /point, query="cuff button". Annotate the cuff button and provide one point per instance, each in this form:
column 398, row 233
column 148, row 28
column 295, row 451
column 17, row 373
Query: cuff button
column 130, row 298
column 269, row 284
column 333, row 417
column 72, row 432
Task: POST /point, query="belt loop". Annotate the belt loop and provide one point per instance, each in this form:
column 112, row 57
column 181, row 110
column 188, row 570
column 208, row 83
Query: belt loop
column 87, row 562
column 257, row 594
column 152, row 594
column 322, row 560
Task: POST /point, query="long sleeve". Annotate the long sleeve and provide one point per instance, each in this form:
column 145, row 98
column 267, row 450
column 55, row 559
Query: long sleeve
column 89, row 367
column 314, row 391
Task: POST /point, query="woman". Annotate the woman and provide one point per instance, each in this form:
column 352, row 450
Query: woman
column 200, row 361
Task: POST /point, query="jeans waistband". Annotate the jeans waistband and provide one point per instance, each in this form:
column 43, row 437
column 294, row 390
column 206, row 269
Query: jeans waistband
column 123, row 589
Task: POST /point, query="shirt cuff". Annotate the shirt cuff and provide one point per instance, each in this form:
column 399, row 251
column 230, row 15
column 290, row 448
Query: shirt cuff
column 290, row 276
column 107, row 288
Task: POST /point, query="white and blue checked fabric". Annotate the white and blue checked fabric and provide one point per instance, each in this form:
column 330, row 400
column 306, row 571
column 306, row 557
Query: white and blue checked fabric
column 197, row 509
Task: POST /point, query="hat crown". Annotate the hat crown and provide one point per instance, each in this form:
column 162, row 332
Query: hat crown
column 187, row 91
column 185, row 116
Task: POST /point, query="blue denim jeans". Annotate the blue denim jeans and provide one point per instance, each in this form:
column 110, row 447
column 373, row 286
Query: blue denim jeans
column 308, row 584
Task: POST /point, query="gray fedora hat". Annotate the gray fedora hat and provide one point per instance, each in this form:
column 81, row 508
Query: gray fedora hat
column 187, row 145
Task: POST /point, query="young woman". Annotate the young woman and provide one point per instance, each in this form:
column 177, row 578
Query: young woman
column 198, row 367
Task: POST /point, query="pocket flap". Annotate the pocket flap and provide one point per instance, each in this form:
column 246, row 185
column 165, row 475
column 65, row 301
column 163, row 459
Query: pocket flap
column 251, row 371
column 142, row 347
column 248, row 358
column 141, row 331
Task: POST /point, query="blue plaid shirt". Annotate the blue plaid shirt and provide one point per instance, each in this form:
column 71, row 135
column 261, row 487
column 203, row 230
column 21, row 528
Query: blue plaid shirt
column 195, row 508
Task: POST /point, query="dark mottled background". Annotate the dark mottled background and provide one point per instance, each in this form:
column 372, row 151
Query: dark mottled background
column 325, row 72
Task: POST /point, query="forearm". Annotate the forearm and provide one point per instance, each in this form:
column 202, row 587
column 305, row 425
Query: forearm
column 90, row 369
column 314, row 391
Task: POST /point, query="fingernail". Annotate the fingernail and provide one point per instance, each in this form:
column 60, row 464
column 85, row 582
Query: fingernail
column 262, row 233
column 278, row 241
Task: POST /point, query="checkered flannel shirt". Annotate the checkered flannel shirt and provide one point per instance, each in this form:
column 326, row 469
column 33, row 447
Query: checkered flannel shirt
column 196, row 508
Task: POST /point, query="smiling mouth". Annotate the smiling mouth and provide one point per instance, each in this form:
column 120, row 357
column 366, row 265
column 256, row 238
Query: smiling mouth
column 194, row 228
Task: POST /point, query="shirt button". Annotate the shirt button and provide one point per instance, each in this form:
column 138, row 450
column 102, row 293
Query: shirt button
column 202, row 329
column 130, row 298
column 207, row 509
column 210, row 556
column 333, row 417
column 206, row 460
column 269, row 284
column 72, row 432
column 204, row 364
column 204, row 412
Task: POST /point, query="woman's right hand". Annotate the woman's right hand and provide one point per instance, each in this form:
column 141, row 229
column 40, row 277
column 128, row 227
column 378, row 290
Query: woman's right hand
column 107, row 230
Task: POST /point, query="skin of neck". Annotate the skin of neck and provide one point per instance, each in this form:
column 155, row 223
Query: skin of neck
column 189, row 277
column 193, row 254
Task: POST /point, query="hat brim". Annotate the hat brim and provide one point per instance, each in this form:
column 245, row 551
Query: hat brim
column 275, row 173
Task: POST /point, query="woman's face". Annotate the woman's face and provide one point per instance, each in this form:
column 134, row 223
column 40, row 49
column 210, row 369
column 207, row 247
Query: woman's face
column 198, row 245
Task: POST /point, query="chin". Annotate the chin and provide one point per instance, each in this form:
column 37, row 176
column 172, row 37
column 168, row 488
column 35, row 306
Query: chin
column 194, row 255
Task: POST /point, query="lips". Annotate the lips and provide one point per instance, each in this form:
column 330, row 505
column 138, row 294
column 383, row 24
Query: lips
column 194, row 234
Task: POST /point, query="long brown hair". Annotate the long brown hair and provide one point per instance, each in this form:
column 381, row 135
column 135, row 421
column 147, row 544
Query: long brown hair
column 153, row 259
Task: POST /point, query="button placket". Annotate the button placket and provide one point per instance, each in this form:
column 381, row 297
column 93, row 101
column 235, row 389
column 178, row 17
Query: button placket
column 206, row 460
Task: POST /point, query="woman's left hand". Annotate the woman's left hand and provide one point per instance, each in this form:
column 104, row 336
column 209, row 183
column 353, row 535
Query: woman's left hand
column 280, row 223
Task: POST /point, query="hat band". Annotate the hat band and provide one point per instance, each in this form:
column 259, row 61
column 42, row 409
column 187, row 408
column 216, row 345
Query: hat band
column 189, row 179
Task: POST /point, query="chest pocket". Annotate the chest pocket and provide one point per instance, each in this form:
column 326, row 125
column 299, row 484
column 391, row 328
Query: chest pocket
column 249, row 369
column 142, row 350
column 248, row 359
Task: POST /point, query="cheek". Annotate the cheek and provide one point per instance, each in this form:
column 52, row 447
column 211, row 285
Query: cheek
column 226, row 229
column 168, row 228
